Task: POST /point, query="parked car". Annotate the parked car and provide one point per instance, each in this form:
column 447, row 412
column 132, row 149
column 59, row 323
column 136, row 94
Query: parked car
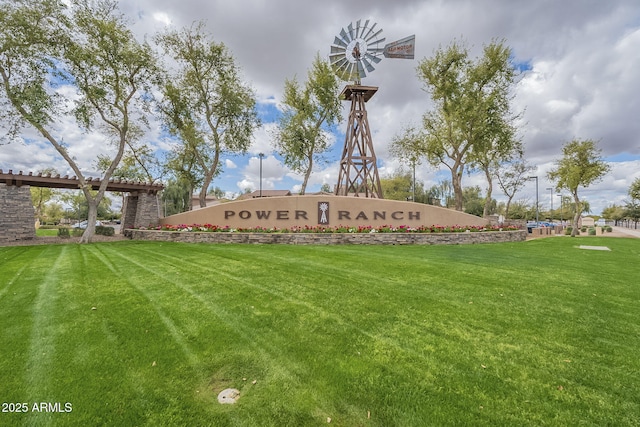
column 539, row 224
column 83, row 224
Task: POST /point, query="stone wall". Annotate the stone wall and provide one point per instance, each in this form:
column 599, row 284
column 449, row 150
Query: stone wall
column 331, row 239
column 140, row 210
column 17, row 217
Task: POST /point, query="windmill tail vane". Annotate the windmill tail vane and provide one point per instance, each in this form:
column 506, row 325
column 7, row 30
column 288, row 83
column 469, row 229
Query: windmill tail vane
column 404, row 48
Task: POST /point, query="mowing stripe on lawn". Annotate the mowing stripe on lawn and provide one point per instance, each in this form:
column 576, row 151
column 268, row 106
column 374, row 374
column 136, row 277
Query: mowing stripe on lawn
column 267, row 347
column 42, row 340
column 168, row 323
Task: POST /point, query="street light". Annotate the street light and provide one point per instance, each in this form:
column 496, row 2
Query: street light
column 537, row 213
column 261, row 155
column 561, row 207
column 551, row 197
column 413, row 163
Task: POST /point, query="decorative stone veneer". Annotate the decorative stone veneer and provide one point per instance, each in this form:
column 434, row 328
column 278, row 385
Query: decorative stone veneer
column 17, row 217
column 330, row 239
column 140, row 210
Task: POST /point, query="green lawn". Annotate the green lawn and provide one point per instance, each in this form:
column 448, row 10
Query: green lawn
column 46, row 232
column 143, row 333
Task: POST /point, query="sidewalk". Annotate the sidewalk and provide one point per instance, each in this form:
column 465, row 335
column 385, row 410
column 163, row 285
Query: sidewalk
column 629, row 231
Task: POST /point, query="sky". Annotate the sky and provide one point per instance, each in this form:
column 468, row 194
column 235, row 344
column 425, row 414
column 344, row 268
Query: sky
column 580, row 80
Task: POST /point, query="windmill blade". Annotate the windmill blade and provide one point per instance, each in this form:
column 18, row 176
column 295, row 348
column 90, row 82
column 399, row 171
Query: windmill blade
column 376, row 34
column 340, row 63
column 370, row 57
column 365, row 36
column 357, row 33
column 341, row 68
column 367, row 65
column 335, row 57
column 364, row 28
column 375, row 51
column 351, row 33
column 338, row 49
column 345, row 36
column 339, row 42
column 361, row 71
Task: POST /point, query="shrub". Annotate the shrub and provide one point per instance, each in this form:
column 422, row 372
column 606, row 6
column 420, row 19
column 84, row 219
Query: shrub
column 63, row 232
column 77, row 232
column 105, row 231
column 583, row 228
column 608, row 229
column 568, row 230
column 592, row 231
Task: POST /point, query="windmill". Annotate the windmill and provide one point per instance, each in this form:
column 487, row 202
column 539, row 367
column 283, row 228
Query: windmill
column 354, row 53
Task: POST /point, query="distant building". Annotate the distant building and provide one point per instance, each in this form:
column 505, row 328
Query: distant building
column 210, row 200
column 265, row 193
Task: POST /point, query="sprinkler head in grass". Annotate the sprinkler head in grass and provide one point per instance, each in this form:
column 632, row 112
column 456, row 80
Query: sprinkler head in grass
column 229, row 396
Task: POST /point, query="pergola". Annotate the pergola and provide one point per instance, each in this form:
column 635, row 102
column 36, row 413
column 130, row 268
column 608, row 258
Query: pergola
column 16, row 211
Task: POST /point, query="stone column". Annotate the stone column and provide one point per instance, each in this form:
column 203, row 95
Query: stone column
column 140, row 210
column 148, row 211
column 129, row 212
column 17, row 216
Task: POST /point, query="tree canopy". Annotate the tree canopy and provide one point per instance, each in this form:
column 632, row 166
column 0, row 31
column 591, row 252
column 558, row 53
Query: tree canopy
column 471, row 123
column 308, row 111
column 87, row 45
column 205, row 103
column 580, row 166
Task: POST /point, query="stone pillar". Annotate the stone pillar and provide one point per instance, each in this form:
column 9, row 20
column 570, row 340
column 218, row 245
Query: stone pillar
column 140, row 210
column 148, row 211
column 129, row 212
column 17, row 216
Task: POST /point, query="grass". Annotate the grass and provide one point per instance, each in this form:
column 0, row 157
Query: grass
column 46, row 232
column 143, row 333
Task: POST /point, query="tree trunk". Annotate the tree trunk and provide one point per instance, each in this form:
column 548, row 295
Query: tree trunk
column 202, row 198
column 456, row 181
column 90, row 231
column 506, row 210
column 576, row 217
column 487, row 200
column 307, row 174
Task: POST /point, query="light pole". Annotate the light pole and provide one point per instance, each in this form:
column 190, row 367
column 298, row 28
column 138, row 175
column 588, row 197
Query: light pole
column 261, row 155
column 561, row 207
column 551, row 197
column 537, row 213
column 413, row 163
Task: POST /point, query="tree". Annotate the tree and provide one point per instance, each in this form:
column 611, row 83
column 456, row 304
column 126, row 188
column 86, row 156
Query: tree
column 634, row 190
column 205, row 104
column 53, row 213
column 471, row 122
column 580, row 166
column 632, row 209
column 301, row 136
column 176, row 197
column 614, row 212
column 79, row 206
column 40, row 196
column 399, row 187
column 88, row 47
column 511, row 177
column 474, row 202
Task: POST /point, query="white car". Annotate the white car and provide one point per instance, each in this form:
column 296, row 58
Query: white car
column 83, row 224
